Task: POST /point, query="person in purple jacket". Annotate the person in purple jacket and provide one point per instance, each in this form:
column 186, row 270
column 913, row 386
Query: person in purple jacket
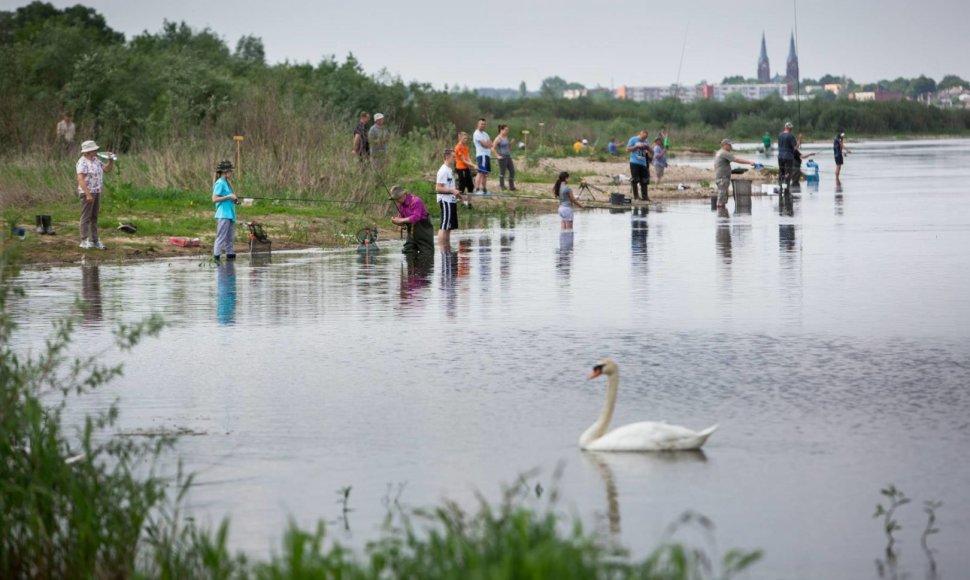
column 415, row 217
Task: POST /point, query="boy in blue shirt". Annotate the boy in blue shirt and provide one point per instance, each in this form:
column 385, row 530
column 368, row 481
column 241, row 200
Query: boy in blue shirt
column 225, row 200
column 640, row 156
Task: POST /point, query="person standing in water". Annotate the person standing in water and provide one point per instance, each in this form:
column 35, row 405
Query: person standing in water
column 225, row 200
column 840, row 150
column 566, row 199
column 786, row 159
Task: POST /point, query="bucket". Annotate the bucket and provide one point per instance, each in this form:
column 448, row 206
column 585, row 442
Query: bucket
column 617, row 198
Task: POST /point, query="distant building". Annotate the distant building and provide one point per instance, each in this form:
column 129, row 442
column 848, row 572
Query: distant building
column 647, row 94
column 574, row 93
column 876, row 95
column 835, row 88
column 791, row 71
column 750, row 91
column 764, row 70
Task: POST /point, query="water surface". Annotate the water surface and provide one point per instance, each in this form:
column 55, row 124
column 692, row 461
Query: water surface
column 829, row 338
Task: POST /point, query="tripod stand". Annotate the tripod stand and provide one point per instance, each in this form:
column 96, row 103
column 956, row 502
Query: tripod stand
column 585, row 189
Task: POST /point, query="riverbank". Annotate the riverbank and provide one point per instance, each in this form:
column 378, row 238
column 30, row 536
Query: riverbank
column 315, row 222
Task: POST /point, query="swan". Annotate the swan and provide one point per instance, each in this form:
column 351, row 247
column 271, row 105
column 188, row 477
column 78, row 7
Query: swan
column 643, row 436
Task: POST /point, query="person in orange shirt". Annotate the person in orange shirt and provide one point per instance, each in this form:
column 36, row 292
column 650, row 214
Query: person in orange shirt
column 463, row 166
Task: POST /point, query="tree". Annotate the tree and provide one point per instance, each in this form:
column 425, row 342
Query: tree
column 921, row 85
column 950, row 82
column 522, row 90
column 553, row 87
column 250, row 50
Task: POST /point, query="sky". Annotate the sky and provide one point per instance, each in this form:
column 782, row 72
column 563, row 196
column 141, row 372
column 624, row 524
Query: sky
column 500, row 43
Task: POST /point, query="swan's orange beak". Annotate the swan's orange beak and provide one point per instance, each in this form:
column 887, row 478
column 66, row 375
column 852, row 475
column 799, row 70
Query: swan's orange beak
column 597, row 371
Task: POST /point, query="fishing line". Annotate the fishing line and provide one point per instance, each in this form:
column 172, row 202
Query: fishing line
column 798, row 77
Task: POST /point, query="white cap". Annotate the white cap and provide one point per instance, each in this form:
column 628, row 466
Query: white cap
column 378, row 116
column 89, row 146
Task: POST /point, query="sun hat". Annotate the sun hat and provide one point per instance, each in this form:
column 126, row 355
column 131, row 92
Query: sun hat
column 788, row 125
column 378, row 116
column 224, row 165
column 725, row 142
column 397, row 192
column 89, row 146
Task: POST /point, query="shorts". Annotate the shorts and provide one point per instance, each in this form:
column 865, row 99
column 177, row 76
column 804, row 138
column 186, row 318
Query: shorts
column 839, row 160
column 449, row 215
column 659, row 170
column 566, row 213
column 465, row 181
column 484, row 164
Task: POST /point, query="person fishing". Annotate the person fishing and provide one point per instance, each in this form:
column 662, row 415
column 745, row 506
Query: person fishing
column 786, row 159
column 840, row 150
column 413, row 215
column 225, row 200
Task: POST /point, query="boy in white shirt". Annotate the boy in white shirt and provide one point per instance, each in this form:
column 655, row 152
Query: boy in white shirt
column 448, row 198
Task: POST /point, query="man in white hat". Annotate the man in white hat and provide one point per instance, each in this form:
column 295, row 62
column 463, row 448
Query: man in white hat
column 377, row 138
column 90, row 181
column 722, row 169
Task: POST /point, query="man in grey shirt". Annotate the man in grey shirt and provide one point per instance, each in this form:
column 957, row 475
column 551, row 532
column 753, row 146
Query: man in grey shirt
column 722, row 169
column 377, row 138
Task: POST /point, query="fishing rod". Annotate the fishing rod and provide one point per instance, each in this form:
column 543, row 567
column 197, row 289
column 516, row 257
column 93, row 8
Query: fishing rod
column 310, row 200
column 798, row 79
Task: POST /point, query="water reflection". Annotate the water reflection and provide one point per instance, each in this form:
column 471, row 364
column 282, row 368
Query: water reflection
column 91, row 294
column 786, row 238
column 226, row 292
column 505, row 254
column 564, row 256
column 449, row 278
column 786, row 204
column 637, row 467
column 485, row 260
column 415, row 278
column 723, row 236
column 639, row 231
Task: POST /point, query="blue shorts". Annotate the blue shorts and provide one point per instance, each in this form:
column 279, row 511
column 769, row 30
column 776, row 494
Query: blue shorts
column 484, row 164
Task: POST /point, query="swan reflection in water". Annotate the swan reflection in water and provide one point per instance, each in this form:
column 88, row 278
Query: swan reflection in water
column 636, row 467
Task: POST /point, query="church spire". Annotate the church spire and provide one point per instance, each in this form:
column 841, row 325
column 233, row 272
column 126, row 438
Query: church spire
column 764, row 71
column 791, row 71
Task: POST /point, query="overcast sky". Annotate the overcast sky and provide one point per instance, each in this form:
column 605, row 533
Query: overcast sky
column 498, row 43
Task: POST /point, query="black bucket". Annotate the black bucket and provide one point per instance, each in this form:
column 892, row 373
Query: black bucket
column 617, row 199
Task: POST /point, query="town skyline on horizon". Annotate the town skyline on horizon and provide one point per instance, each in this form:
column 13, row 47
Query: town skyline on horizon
column 576, row 43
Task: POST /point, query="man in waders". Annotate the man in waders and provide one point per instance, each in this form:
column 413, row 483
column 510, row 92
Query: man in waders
column 413, row 215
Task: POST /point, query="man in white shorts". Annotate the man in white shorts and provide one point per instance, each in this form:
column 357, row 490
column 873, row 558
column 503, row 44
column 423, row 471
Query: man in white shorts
column 483, row 156
column 448, row 198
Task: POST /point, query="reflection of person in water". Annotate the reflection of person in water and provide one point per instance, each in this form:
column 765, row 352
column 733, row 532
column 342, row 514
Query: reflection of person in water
column 415, row 277
column 723, row 237
column 786, row 238
column 91, row 294
column 226, row 293
column 638, row 231
column 564, row 257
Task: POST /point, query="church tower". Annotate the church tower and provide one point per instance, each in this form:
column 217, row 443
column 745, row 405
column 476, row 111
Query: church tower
column 791, row 72
column 764, row 71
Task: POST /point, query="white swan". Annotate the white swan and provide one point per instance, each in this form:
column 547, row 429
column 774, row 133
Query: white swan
column 643, row 436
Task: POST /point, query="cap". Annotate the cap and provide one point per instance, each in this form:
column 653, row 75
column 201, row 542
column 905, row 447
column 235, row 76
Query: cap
column 788, row 125
column 378, row 116
column 585, row 141
column 397, row 192
column 725, row 141
column 89, row 146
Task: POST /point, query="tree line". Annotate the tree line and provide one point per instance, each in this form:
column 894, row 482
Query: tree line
column 180, row 83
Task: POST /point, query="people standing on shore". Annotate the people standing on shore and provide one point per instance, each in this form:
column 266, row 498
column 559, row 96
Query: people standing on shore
column 448, row 197
column 722, row 169
column 503, row 152
column 225, row 200
column 766, row 143
column 361, row 145
column 786, row 159
column 483, row 148
column 377, row 138
column 639, row 148
column 566, row 199
column 840, row 150
column 90, row 184
column 659, row 158
column 414, row 216
column 65, row 132
column 611, row 148
column 463, row 166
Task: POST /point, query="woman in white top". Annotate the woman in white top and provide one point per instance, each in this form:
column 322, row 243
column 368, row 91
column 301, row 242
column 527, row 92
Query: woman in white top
column 90, row 180
column 566, row 200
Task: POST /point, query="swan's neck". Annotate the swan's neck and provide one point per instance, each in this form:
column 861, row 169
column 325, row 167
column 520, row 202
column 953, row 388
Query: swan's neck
column 598, row 429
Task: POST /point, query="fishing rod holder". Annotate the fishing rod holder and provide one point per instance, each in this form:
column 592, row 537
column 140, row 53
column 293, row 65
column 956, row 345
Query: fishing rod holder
column 259, row 242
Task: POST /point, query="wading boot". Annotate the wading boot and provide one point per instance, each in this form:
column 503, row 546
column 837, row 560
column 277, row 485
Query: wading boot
column 47, row 224
column 39, row 223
